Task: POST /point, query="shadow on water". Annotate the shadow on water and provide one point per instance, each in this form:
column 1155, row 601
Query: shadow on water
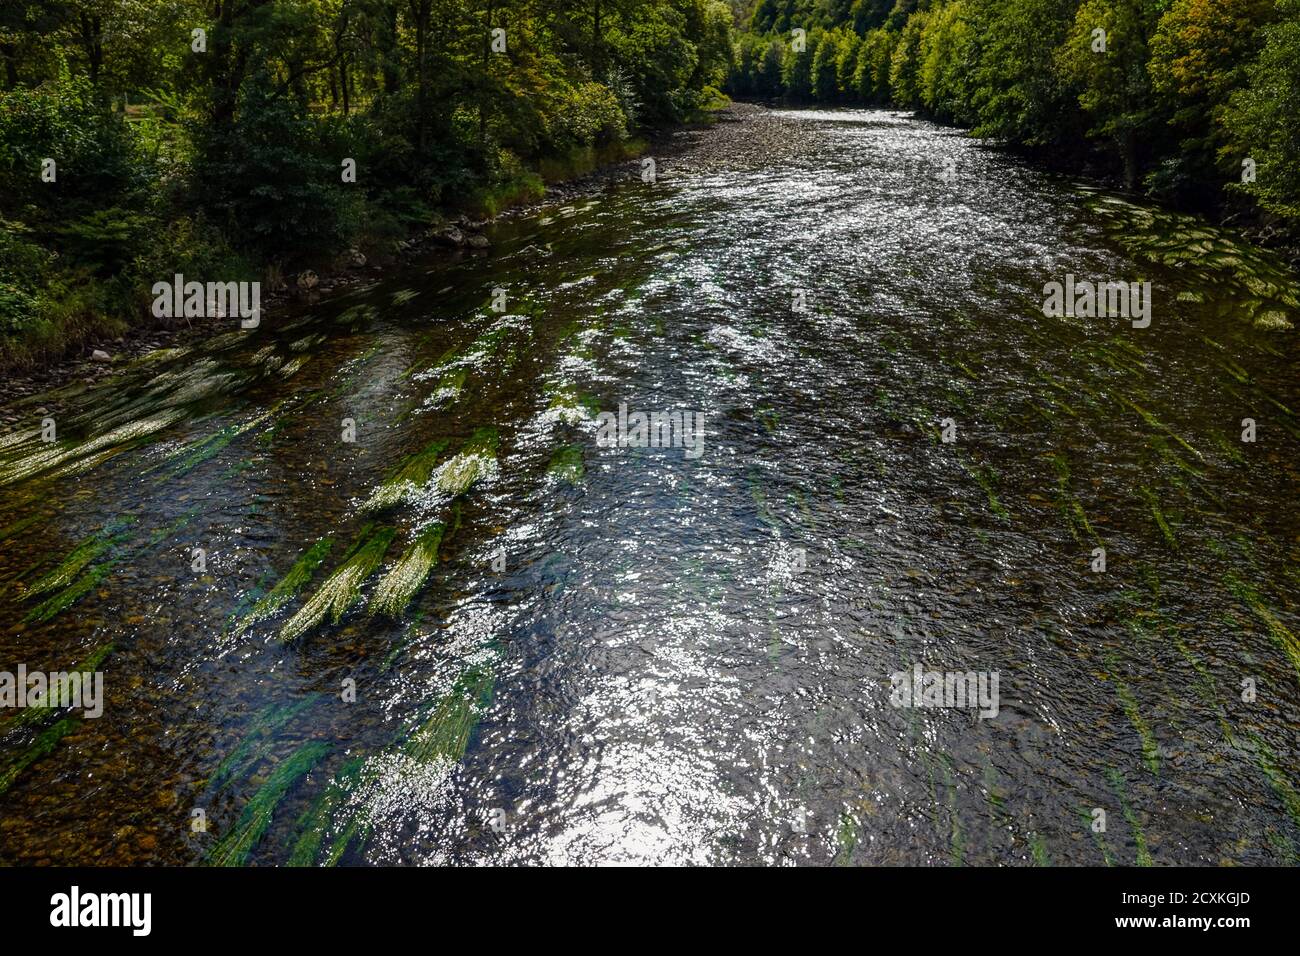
column 434, row 622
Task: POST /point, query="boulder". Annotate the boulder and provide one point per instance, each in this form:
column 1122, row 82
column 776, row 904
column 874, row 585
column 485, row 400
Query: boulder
column 450, row 236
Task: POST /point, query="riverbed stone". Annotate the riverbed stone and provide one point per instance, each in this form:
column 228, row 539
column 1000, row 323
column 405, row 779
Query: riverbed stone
column 450, row 236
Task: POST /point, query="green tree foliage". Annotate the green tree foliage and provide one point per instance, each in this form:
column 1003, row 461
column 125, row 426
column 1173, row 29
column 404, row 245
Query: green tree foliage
column 223, row 150
column 1169, row 95
column 825, row 82
column 905, row 67
column 1264, row 117
column 1200, row 54
column 797, row 67
column 947, row 61
column 871, row 73
column 1105, row 56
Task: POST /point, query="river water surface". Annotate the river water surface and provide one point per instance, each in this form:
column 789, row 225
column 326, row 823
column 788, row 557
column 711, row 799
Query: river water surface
column 471, row 635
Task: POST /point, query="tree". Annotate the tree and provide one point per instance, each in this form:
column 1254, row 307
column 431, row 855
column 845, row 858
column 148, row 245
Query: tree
column 824, row 83
column 1264, row 117
column 796, row 68
column 1106, row 55
column 1200, row 54
column 905, row 65
column 947, row 61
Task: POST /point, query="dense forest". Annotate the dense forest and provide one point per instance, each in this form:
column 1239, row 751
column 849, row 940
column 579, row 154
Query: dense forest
column 251, row 138
column 226, row 138
column 1191, row 101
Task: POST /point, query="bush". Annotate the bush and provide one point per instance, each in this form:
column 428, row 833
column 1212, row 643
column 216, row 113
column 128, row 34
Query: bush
column 1264, row 118
column 18, row 309
column 22, row 262
column 272, row 183
column 104, row 241
column 192, row 247
column 98, row 162
column 587, row 114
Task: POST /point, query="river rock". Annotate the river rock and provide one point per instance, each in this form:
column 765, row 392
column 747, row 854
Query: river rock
column 308, row 280
column 356, row 258
column 450, row 236
column 99, row 355
column 478, row 242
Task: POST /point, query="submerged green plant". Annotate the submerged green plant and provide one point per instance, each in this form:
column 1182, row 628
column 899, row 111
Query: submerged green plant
column 70, row 595
column 446, row 732
column 570, row 405
column 1076, row 518
column 567, row 465
column 441, row 738
column 21, row 525
column 847, row 839
column 395, row 591
column 234, row 848
column 45, row 742
column 342, row 588
column 1139, row 838
column 475, row 460
column 288, row 586
column 73, row 458
column 1158, row 516
column 1085, row 814
column 1038, row 848
column 1278, row 631
column 986, row 478
column 36, row 712
column 1277, row 778
column 1155, row 423
column 195, row 453
column 258, row 741
column 86, row 552
column 407, row 481
column 957, row 842
column 314, row 824
column 1128, row 702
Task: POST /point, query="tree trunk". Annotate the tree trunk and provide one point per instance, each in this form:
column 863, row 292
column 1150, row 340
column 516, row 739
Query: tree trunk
column 388, row 50
column 92, row 42
column 10, row 53
column 227, row 64
column 420, row 10
column 483, row 92
column 1128, row 149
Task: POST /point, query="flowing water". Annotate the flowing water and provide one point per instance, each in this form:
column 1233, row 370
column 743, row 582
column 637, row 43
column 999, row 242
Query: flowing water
column 471, row 635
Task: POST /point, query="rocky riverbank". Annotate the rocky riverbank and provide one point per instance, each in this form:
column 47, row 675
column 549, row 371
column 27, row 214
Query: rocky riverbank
column 446, row 238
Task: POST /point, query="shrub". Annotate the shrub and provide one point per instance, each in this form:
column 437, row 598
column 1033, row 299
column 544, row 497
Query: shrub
column 270, row 183
column 587, row 114
column 97, row 159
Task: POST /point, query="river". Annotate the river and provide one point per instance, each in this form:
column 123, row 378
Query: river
column 364, row 588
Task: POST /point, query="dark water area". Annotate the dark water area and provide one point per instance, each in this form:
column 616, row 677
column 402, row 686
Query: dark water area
column 564, row 653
